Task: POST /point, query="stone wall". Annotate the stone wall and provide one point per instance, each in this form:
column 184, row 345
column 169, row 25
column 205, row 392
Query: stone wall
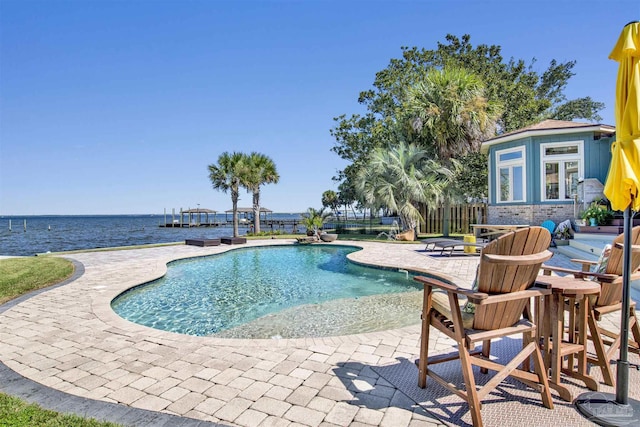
column 529, row 214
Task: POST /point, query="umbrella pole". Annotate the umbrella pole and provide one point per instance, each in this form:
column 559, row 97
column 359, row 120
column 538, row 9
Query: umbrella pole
column 622, row 374
column 606, row 409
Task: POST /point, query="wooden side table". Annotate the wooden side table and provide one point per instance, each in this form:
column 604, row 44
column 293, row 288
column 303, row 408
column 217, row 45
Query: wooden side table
column 555, row 346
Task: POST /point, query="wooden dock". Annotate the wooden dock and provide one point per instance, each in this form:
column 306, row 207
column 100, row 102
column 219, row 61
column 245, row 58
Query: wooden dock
column 176, row 224
column 269, row 224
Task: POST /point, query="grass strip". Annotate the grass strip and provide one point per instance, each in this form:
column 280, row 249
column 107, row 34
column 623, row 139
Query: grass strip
column 21, row 275
column 18, row 413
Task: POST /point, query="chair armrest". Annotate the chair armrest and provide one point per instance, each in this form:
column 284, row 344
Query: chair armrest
column 532, row 259
column 433, row 282
column 576, row 273
column 601, row 277
column 532, row 292
column 634, row 248
column 585, row 263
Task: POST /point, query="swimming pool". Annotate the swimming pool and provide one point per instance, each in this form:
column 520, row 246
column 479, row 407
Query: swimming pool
column 276, row 291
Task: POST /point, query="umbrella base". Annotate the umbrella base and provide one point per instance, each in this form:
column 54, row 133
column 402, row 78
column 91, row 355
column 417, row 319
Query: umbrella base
column 602, row 409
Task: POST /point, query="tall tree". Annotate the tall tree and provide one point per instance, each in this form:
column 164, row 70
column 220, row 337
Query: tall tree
column 226, row 176
column 400, row 177
column 330, row 200
column 259, row 170
column 526, row 95
column 450, row 110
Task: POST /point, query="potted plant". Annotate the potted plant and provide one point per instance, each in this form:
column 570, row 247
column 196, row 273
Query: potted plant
column 313, row 220
column 562, row 237
column 597, row 214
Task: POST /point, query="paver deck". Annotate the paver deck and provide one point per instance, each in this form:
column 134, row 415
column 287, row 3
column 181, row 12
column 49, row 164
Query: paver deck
column 68, row 340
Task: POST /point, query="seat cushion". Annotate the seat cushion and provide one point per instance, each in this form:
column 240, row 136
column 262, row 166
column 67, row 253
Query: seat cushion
column 440, row 303
column 603, row 261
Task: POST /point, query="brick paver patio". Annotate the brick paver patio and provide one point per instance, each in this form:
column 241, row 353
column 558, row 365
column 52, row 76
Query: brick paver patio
column 69, row 340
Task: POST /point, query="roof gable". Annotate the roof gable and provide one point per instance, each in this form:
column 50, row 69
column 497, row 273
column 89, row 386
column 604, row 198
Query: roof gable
column 547, row 127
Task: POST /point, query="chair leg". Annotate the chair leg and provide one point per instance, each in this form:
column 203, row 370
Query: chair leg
column 470, row 385
column 486, row 352
column 540, row 370
column 424, row 338
column 602, row 357
column 633, row 327
column 635, row 330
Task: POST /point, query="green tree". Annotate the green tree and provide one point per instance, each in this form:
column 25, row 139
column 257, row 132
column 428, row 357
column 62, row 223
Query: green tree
column 526, row 96
column 450, row 110
column 258, row 170
column 399, row 177
column 330, row 200
column 471, row 181
column 226, row 176
column 314, row 219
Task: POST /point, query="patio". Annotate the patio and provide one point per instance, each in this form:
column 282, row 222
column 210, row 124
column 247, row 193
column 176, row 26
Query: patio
column 67, row 340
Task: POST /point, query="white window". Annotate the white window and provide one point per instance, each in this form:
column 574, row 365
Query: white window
column 511, row 175
column 562, row 166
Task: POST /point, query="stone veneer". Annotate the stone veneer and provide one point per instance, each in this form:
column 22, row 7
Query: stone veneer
column 529, row 214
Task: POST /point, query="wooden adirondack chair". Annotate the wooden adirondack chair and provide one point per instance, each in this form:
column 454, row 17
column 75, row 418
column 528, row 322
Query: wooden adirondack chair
column 609, row 301
column 508, row 269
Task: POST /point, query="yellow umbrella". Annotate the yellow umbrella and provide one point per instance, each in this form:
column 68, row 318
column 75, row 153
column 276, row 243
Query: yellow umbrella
column 621, row 188
column 623, row 181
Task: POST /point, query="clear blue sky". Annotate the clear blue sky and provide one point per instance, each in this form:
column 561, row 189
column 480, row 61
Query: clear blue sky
column 117, row 107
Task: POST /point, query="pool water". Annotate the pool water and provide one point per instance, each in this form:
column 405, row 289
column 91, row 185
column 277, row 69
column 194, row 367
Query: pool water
column 272, row 292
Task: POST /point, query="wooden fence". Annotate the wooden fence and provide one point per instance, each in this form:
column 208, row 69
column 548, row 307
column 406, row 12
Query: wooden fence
column 459, row 220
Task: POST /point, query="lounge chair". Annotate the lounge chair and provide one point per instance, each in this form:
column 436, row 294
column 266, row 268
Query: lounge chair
column 607, row 271
column 448, row 245
column 505, row 281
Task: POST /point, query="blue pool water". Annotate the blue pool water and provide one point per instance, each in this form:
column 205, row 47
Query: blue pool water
column 210, row 295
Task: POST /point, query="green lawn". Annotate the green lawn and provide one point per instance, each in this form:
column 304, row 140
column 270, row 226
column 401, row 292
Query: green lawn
column 17, row 413
column 21, row 275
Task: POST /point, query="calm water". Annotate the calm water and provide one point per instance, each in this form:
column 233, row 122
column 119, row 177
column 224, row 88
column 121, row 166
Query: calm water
column 205, row 296
column 65, row 233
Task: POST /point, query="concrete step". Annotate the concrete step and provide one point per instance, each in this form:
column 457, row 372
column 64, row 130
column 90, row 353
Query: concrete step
column 572, row 252
column 595, row 237
column 593, row 247
column 586, row 246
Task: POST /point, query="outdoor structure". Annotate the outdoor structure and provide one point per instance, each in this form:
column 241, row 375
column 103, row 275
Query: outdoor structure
column 192, row 218
column 246, row 214
column 549, row 170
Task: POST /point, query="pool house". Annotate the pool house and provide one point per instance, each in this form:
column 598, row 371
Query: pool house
column 550, row 170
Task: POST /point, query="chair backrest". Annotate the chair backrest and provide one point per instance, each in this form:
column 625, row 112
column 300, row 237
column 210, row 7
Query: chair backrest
column 611, row 292
column 523, row 251
column 549, row 225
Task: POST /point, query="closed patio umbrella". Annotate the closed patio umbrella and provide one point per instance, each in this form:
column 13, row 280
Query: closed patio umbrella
column 621, row 188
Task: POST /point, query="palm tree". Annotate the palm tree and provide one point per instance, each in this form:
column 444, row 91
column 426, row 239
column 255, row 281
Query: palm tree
column 330, row 200
column 398, row 178
column 259, row 170
column 226, row 176
column 314, row 219
column 450, row 109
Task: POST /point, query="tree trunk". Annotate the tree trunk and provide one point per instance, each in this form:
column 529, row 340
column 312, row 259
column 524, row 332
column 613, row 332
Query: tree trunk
column 256, row 212
column 234, row 202
column 446, row 216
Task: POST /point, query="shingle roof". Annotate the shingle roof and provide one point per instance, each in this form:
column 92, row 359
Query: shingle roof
column 547, row 127
column 550, row 124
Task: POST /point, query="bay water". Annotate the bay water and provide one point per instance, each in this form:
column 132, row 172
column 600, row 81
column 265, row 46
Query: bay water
column 44, row 234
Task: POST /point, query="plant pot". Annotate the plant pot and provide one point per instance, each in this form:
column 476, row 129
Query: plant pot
column 328, row 237
column 592, row 222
